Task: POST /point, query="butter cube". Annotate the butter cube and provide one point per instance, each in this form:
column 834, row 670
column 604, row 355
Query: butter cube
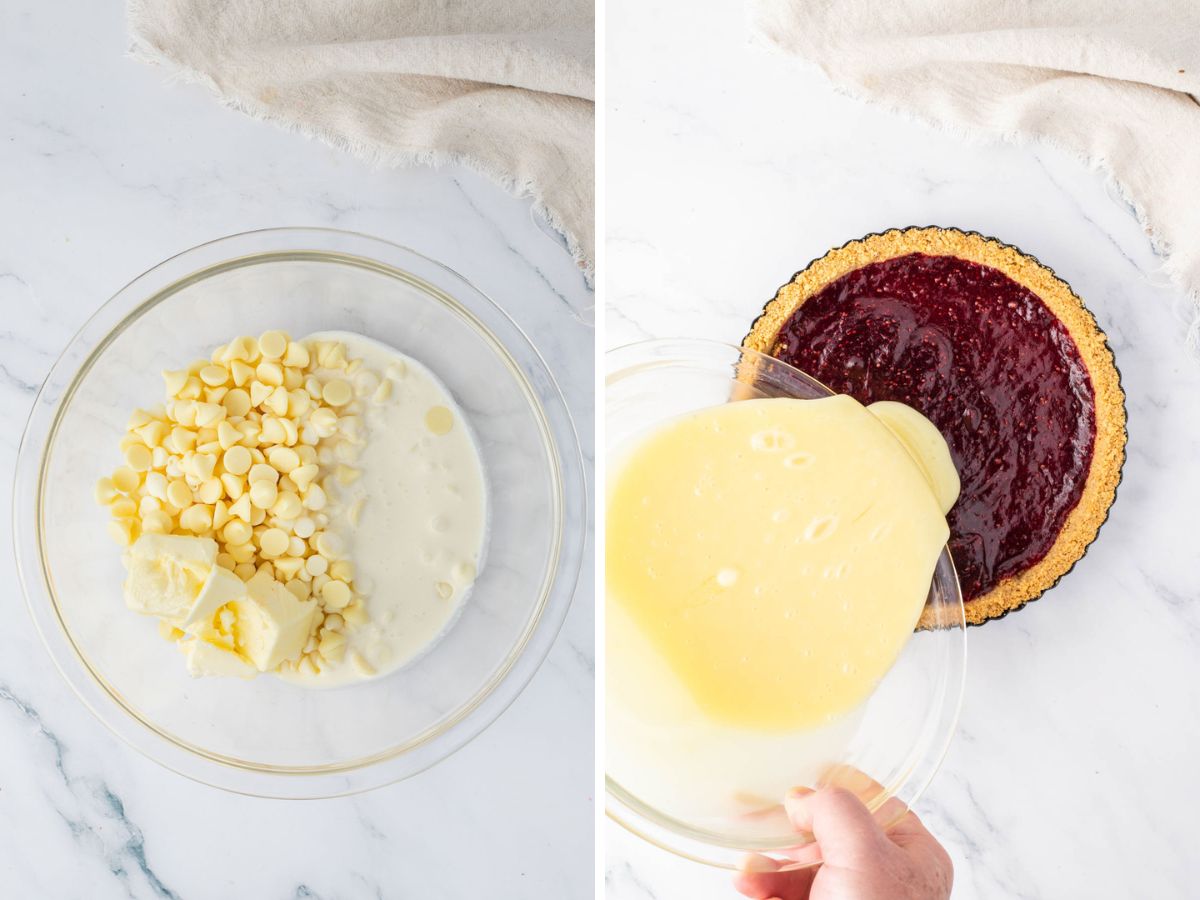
column 176, row 578
column 221, row 587
column 271, row 625
column 167, row 574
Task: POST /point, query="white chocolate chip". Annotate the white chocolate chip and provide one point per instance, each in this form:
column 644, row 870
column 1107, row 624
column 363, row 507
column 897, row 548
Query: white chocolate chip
column 337, row 392
column 273, row 344
column 296, row 355
column 274, row 542
column 365, row 383
column 263, row 495
column 342, row 570
column 263, row 472
column 332, row 646
column 123, row 508
column 354, row 513
column 236, row 531
column 314, row 498
column 284, row 459
column 336, row 594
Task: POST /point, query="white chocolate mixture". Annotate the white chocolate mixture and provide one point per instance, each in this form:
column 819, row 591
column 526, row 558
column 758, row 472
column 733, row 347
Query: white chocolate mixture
column 272, row 469
column 767, row 563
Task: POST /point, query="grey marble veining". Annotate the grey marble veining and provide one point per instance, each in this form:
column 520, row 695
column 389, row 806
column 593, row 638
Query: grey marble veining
column 105, row 170
column 728, row 169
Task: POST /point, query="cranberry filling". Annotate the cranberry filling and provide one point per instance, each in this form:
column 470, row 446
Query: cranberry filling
column 986, row 361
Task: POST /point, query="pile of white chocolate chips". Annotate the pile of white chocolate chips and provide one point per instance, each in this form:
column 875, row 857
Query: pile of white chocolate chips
column 225, row 503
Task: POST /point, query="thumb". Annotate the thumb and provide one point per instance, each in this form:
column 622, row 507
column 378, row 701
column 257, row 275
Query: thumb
column 844, row 828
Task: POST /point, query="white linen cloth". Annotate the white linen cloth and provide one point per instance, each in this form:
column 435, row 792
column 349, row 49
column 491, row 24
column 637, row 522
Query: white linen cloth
column 1113, row 82
column 503, row 86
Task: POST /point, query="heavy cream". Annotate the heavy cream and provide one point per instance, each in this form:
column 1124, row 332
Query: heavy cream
column 415, row 518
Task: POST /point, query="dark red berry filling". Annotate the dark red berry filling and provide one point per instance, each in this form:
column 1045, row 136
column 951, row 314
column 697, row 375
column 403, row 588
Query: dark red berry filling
column 986, row 361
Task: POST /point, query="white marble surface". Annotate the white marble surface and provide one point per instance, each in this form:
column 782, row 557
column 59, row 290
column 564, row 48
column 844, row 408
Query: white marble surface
column 1072, row 773
column 104, row 171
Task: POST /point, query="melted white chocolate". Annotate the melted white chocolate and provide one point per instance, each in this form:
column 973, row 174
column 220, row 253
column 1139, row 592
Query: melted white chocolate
column 767, row 561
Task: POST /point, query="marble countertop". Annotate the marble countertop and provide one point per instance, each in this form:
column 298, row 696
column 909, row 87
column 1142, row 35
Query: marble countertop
column 728, row 169
column 105, row 170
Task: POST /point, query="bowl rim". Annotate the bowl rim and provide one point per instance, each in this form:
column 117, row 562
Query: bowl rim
column 565, row 471
column 676, row 837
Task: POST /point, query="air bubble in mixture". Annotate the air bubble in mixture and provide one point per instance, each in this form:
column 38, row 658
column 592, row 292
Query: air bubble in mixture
column 727, row 577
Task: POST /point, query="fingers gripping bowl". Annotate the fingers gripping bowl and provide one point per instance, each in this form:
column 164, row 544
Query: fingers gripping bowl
column 699, row 806
column 265, row 736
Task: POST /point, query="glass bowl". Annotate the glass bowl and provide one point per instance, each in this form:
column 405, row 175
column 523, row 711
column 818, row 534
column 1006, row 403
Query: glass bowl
column 266, row 737
column 892, row 746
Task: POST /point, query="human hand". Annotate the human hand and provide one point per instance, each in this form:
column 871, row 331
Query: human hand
column 858, row 860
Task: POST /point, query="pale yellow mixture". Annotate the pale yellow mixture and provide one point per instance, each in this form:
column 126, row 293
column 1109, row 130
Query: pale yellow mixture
column 767, row 560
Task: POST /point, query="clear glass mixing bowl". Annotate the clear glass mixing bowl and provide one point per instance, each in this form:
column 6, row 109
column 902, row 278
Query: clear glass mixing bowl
column 901, row 733
column 266, row 737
